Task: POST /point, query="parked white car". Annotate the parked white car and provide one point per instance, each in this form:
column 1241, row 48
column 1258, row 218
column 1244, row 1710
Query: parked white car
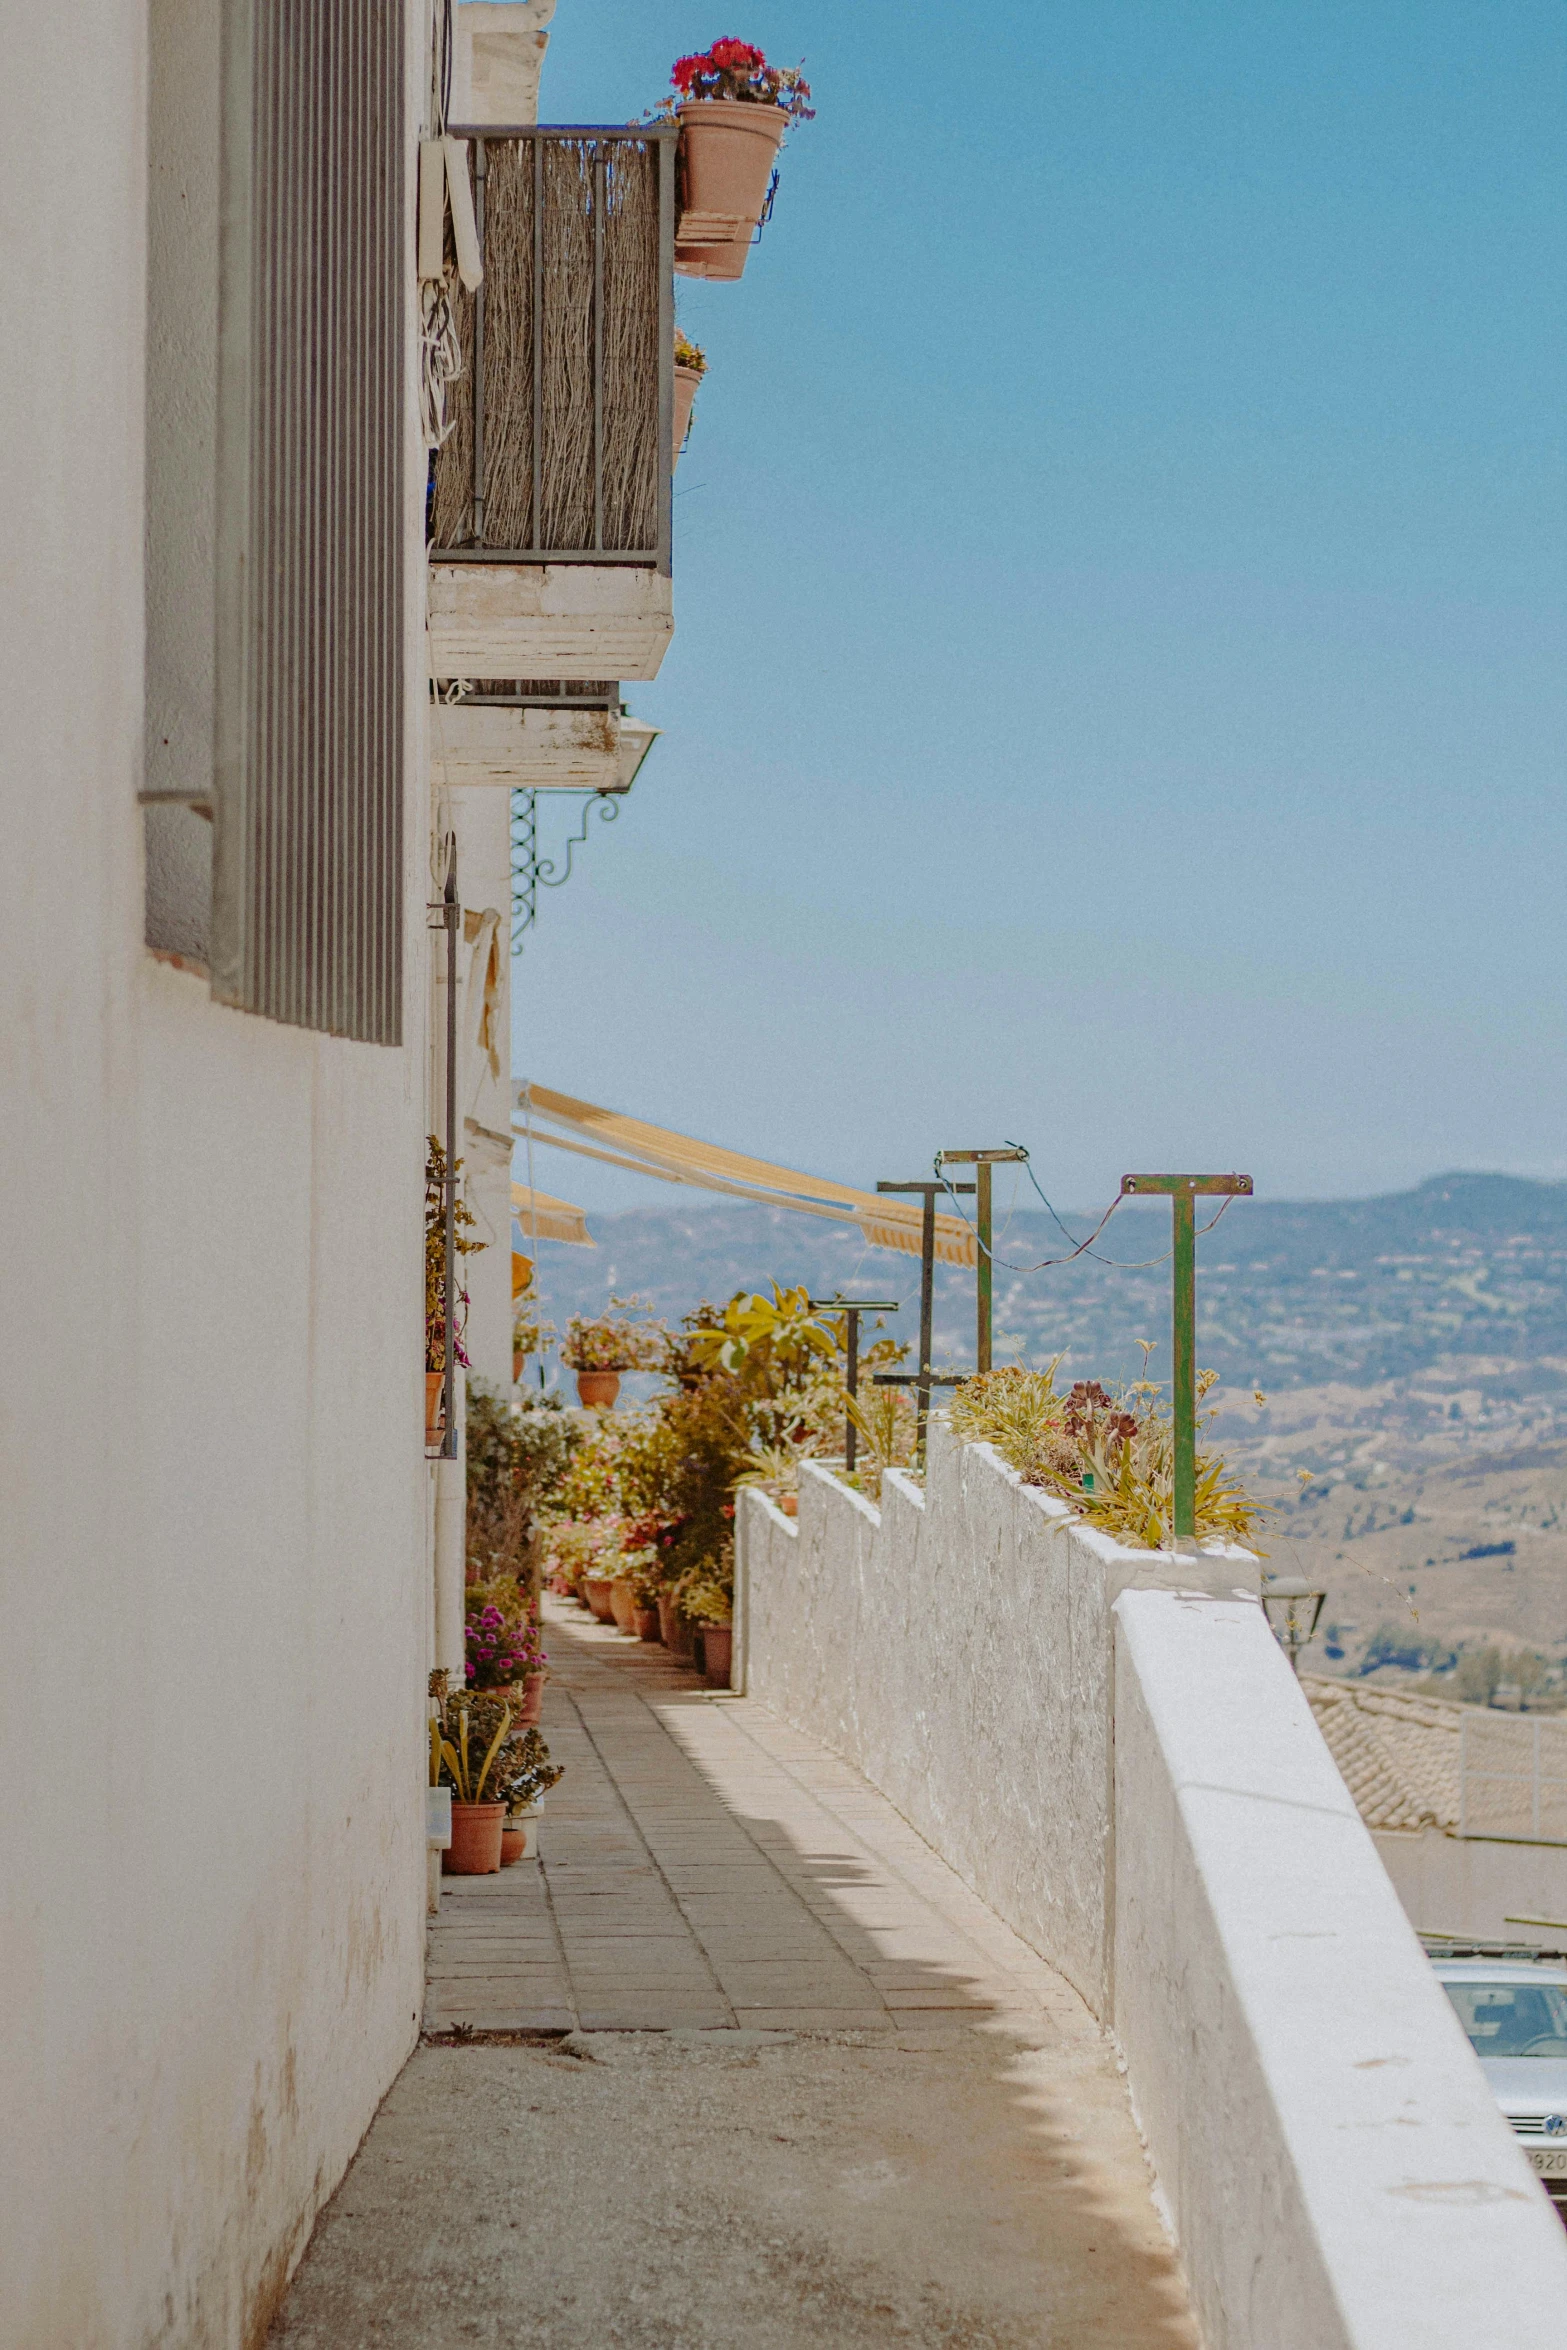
column 1515, row 2013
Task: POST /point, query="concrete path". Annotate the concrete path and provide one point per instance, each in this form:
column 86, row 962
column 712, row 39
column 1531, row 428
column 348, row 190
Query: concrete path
column 801, row 2086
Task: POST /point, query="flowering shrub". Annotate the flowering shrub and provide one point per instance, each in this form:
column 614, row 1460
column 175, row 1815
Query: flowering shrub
column 501, row 1640
column 1111, row 1456
column 734, row 69
column 625, row 1341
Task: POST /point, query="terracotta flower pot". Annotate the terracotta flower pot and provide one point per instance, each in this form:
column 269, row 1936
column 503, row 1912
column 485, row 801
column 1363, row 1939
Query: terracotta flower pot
column 679, row 1634
column 599, row 1590
column 647, row 1624
column 789, row 1503
column 514, row 1841
column 718, row 1654
column 728, row 147
column 475, row 1848
column 434, row 1398
column 623, row 1603
column 667, row 1613
column 597, row 1390
column 686, row 381
column 532, row 1706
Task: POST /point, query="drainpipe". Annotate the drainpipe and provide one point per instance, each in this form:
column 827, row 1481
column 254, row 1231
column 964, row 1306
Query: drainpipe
column 451, row 1550
column 451, row 1474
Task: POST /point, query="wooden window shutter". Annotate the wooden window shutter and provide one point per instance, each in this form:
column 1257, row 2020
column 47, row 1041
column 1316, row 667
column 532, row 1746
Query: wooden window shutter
column 307, row 913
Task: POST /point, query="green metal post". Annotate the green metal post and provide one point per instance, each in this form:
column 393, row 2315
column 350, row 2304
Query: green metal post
column 1182, row 1193
column 982, row 1268
column 1183, row 1357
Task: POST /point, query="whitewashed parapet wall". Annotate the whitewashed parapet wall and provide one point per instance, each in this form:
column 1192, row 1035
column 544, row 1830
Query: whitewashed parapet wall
column 1109, row 1747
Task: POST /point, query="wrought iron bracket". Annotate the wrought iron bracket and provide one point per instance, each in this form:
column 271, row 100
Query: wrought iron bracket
column 529, row 871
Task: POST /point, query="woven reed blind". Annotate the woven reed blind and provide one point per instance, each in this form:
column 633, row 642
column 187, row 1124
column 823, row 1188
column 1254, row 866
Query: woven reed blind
column 308, row 805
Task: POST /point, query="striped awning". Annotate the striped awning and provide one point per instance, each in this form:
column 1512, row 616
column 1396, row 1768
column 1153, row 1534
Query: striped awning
column 562, row 1122
column 543, row 1217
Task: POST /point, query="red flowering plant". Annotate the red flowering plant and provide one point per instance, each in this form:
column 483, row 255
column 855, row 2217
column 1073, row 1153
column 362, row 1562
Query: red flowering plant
column 734, row 69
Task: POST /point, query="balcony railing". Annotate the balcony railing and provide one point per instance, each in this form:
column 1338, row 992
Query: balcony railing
column 562, row 450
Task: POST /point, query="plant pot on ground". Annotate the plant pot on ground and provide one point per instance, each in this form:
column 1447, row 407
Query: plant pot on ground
column 522, row 1829
column 475, row 1848
column 598, row 1591
column 717, row 1654
column 646, row 1621
column 679, row 1632
column 532, row 1706
column 623, row 1603
column 514, row 1840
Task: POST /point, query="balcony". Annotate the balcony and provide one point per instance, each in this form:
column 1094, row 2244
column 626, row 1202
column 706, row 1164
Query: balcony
column 549, row 529
column 538, row 736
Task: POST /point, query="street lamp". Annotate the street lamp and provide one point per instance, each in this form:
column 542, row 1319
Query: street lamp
column 1292, row 1606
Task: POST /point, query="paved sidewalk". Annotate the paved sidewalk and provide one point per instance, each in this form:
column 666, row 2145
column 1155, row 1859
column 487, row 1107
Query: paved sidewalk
column 801, row 2085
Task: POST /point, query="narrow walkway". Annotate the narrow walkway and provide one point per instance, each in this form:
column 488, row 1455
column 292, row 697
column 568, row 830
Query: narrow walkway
column 802, row 2086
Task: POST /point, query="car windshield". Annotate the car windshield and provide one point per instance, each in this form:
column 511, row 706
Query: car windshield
column 1512, row 2019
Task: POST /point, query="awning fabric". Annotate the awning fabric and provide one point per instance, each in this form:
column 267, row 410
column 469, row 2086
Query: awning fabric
column 565, row 1123
column 545, row 1218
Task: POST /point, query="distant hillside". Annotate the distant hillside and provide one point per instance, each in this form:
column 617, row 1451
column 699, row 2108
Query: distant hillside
column 1289, row 1295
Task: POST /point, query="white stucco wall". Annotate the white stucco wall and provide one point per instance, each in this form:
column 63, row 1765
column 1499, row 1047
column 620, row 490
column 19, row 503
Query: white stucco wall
column 966, row 1671
column 1111, row 1749
column 214, row 1588
column 1475, row 1885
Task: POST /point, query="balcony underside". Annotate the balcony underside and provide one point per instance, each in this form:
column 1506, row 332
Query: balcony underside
column 534, row 749
column 566, row 620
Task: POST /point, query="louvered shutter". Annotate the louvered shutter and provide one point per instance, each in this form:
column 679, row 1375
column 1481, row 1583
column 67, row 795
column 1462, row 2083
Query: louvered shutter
column 308, row 805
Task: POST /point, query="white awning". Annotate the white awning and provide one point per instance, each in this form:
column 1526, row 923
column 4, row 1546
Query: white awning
column 543, row 1217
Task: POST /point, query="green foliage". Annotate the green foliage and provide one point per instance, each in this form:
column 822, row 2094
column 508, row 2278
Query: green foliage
column 463, row 1224
column 1484, row 1672
column 518, row 1458
column 1111, row 1455
column 626, row 1338
column 525, row 1771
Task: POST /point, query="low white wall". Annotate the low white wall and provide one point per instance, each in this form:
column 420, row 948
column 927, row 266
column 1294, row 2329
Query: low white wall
column 1473, row 1885
column 1109, row 1747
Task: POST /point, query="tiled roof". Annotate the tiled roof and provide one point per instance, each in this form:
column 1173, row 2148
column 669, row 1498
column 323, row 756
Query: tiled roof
column 1398, row 1755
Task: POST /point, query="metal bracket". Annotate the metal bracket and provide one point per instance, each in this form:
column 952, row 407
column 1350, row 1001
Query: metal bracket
column 529, row 871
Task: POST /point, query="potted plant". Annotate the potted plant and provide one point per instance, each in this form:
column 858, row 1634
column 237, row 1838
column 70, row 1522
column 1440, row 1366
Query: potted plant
column 502, row 1647
column 707, row 1597
column 600, row 1347
column 733, row 109
column 777, row 1474
column 435, row 1285
column 527, row 1778
column 690, row 367
column 467, row 1738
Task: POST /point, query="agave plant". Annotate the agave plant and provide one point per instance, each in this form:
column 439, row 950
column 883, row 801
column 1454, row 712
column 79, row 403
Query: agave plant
column 471, row 1719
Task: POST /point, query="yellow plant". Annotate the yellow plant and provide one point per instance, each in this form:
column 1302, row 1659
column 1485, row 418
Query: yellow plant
column 1111, row 1456
column 469, row 1780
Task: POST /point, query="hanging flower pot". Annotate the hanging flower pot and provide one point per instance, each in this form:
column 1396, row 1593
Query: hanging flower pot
column 734, row 109
column 597, row 1390
column 690, row 367
column 434, row 1401
column 475, row 1848
column 728, row 148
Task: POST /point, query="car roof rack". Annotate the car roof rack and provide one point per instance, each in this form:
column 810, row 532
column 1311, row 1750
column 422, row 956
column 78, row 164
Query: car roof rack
column 1472, row 1946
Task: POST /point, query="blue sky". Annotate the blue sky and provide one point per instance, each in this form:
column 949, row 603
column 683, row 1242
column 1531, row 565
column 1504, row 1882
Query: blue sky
column 1119, row 692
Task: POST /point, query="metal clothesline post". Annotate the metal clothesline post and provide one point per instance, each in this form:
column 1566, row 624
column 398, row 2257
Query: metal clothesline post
column 1183, row 1191
column 852, row 1308
column 983, row 1163
column 923, row 1379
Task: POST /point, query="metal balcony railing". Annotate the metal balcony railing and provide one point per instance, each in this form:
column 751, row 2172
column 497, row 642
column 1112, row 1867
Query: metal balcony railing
column 562, row 447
